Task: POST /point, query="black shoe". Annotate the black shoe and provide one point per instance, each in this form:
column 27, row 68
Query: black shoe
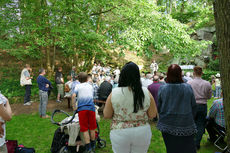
column 198, row 147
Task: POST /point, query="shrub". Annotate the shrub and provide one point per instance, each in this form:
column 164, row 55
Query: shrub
column 207, row 73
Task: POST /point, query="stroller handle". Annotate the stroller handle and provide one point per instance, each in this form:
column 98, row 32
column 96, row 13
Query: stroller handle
column 61, row 111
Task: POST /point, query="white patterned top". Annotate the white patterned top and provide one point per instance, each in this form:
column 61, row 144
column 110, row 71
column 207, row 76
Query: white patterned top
column 123, row 106
column 3, row 101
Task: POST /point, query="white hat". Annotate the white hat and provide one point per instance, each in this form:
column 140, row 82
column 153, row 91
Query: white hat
column 218, row 75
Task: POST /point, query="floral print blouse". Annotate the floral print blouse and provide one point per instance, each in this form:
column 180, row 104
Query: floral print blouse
column 122, row 103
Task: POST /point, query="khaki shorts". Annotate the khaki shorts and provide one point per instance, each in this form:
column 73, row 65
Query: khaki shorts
column 3, row 149
column 60, row 89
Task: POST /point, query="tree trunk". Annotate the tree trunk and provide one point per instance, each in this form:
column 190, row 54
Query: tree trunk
column 222, row 18
column 166, row 6
column 48, row 65
column 182, row 6
column 170, row 6
column 54, row 54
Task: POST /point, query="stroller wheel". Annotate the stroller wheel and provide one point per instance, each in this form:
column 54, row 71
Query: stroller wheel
column 101, row 143
column 63, row 150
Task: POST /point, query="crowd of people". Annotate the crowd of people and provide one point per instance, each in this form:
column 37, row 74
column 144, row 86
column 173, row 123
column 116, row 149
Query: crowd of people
column 178, row 103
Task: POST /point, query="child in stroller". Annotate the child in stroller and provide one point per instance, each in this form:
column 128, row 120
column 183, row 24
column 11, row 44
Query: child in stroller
column 68, row 138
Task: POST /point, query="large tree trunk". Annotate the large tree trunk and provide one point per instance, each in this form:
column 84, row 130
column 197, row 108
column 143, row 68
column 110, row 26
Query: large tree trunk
column 222, row 17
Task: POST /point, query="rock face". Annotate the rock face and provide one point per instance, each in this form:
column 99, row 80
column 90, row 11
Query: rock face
column 208, row 34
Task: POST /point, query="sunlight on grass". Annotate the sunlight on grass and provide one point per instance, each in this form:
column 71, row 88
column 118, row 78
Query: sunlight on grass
column 32, row 131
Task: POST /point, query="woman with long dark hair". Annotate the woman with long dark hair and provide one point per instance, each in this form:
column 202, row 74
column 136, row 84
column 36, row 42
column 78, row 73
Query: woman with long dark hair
column 130, row 106
column 176, row 108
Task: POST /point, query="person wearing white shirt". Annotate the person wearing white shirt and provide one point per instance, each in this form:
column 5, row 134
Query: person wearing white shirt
column 117, row 72
column 154, row 66
column 147, row 81
column 5, row 115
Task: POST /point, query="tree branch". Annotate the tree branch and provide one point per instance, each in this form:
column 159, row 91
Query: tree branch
column 101, row 12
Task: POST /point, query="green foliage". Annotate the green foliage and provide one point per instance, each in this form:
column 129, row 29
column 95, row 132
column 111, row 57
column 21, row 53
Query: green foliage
column 85, row 31
column 197, row 15
column 207, row 74
column 11, row 88
column 214, row 64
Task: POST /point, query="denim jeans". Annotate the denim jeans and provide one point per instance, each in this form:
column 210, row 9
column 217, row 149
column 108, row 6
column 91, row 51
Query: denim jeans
column 28, row 93
column 214, row 93
column 218, row 91
column 200, row 120
column 43, row 96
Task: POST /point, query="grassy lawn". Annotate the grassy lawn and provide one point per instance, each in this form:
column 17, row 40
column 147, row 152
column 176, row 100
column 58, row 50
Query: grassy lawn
column 32, row 131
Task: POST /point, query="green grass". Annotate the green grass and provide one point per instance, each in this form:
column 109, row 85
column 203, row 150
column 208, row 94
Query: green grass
column 32, row 131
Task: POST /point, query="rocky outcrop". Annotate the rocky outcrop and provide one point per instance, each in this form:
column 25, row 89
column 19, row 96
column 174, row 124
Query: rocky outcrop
column 208, row 34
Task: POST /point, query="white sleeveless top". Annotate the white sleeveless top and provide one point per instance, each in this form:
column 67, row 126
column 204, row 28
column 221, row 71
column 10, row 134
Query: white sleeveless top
column 123, row 106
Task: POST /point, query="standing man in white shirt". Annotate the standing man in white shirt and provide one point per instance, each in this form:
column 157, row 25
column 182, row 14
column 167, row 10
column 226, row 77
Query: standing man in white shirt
column 154, row 67
column 25, row 80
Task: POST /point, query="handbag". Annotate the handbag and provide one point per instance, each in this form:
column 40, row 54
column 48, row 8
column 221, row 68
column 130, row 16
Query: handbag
column 11, row 145
column 24, row 150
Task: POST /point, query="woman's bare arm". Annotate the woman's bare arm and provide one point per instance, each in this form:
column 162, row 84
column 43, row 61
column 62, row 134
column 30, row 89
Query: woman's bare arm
column 108, row 110
column 152, row 111
column 5, row 111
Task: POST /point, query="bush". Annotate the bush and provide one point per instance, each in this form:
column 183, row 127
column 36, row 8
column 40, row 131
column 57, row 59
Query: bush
column 12, row 89
column 214, row 65
column 207, row 73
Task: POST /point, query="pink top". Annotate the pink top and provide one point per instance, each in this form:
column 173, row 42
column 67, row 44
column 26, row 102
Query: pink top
column 202, row 90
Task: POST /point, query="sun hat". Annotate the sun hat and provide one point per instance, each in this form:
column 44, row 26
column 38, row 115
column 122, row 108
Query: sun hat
column 218, row 75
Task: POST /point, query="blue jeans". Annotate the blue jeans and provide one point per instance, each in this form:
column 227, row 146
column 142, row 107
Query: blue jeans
column 214, row 93
column 43, row 96
column 218, row 91
column 200, row 120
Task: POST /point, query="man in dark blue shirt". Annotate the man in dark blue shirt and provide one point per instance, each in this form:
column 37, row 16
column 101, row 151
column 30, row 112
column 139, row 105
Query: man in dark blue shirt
column 43, row 85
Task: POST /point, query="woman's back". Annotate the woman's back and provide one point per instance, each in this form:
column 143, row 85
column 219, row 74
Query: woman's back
column 123, row 105
column 176, row 108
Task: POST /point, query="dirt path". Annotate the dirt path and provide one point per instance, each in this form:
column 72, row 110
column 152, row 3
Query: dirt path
column 33, row 108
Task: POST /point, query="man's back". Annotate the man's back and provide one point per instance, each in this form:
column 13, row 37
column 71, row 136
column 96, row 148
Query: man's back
column 84, row 92
column 104, row 90
column 202, row 90
column 58, row 77
column 153, row 89
column 146, row 83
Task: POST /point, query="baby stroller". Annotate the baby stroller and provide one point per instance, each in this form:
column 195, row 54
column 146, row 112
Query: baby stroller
column 61, row 139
